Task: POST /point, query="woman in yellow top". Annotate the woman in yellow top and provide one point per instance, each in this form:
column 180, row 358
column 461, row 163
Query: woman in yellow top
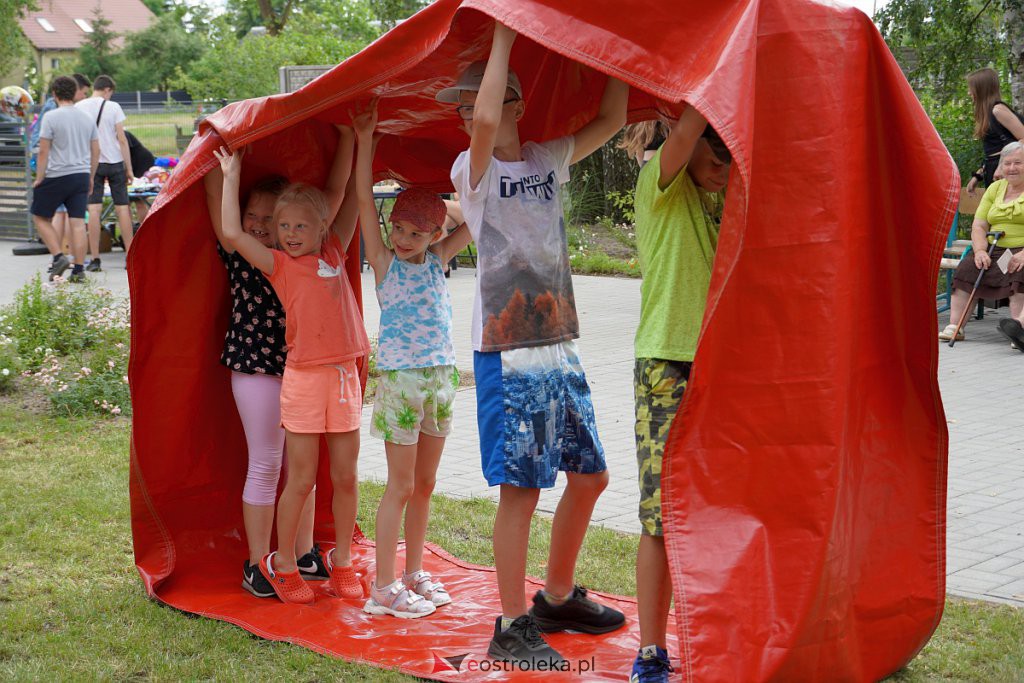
column 1001, row 208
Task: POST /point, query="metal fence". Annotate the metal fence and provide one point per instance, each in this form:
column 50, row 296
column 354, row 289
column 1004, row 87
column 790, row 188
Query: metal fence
column 15, row 182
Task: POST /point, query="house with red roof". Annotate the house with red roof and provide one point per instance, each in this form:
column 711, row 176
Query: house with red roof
column 58, row 28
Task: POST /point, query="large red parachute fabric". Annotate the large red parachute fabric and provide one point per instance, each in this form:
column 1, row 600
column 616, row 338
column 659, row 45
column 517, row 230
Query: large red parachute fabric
column 805, row 476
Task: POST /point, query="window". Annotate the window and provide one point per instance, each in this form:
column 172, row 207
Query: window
column 84, row 25
column 54, row 64
column 47, row 26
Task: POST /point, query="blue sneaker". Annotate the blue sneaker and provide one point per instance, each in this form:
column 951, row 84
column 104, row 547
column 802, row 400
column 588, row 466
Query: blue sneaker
column 651, row 666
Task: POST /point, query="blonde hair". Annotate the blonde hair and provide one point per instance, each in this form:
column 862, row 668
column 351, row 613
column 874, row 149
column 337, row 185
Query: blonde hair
column 637, row 136
column 984, row 85
column 307, row 195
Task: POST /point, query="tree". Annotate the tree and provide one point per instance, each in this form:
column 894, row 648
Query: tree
column 1013, row 20
column 97, row 55
column 938, row 42
column 233, row 68
column 13, row 46
column 151, row 57
column 390, row 12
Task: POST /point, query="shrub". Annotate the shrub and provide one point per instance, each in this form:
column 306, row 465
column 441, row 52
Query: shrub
column 73, row 343
column 10, row 363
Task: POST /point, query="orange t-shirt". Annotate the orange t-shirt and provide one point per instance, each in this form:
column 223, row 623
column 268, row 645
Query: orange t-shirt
column 324, row 326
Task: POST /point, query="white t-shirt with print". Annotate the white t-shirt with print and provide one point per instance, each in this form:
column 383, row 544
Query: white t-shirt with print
column 110, row 149
column 524, row 285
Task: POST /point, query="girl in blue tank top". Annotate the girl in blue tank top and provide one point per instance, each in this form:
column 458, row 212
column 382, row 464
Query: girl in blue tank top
column 412, row 409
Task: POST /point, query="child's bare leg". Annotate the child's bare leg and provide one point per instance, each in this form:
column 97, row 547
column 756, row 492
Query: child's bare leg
column 77, row 238
column 344, row 450
column 572, row 518
column 304, row 537
column 401, row 472
column 653, row 590
column 303, row 454
column 417, row 512
column 511, row 541
column 258, row 521
column 60, row 227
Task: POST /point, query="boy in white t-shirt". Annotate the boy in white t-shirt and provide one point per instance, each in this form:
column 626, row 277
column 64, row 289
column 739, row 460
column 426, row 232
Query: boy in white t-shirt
column 533, row 403
column 115, row 165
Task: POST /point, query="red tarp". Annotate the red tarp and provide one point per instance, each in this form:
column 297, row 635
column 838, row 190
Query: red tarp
column 805, row 482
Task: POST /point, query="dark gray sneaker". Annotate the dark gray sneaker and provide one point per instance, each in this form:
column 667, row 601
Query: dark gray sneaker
column 312, row 567
column 58, row 267
column 521, row 642
column 578, row 613
column 254, row 581
column 77, row 275
column 94, row 266
column 1013, row 331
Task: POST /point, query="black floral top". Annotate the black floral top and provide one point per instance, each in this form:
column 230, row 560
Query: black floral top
column 254, row 343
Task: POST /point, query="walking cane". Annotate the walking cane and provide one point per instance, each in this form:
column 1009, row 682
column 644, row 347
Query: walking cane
column 996, row 236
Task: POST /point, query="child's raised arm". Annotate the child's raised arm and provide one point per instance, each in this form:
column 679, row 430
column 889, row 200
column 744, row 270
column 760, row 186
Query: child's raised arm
column 610, row 119
column 344, row 225
column 337, row 179
column 489, row 101
column 448, row 247
column 377, row 254
column 231, row 219
column 213, row 182
column 679, row 146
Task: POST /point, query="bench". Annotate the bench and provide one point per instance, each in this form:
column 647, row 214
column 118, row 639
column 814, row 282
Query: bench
column 956, row 250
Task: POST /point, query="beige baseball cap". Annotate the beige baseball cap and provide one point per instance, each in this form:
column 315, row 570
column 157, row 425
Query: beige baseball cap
column 470, row 79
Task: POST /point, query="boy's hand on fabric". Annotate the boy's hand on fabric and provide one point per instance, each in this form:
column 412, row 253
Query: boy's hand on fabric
column 230, row 164
column 364, row 120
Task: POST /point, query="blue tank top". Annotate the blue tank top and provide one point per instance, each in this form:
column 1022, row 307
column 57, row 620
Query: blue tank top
column 415, row 316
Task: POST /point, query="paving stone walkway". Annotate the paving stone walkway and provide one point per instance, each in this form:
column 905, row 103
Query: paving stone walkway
column 982, row 382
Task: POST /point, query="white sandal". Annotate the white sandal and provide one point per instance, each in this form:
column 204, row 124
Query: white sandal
column 947, row 333
column 398, row 601
column 422, row 583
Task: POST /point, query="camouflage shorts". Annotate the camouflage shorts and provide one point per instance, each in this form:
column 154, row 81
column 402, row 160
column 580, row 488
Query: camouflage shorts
column 658, row 386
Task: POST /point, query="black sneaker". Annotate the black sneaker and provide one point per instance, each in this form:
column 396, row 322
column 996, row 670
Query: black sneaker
column 522, row 642
column 94, row 266
column 254, row 582
column 1013, row 331
column 58, row 267
column 578, row 613
column 77, row 275
column 311, row 565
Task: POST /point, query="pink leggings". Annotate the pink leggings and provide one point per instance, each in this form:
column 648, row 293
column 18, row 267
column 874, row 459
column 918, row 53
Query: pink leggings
column 258, row 398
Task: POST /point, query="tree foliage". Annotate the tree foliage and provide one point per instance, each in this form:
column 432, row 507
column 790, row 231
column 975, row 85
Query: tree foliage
column 13, row 46
column 98, row 54
column 938, row 42
column 152, row 57
column 237, row 69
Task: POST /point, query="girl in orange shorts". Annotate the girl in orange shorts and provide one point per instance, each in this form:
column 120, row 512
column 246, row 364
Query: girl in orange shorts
column 320, row 392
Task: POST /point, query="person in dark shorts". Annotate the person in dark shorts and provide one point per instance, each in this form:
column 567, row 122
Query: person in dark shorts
column 115, row 165
column 68, row 155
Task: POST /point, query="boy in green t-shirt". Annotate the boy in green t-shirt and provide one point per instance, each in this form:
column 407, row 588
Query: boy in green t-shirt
column 678, row 199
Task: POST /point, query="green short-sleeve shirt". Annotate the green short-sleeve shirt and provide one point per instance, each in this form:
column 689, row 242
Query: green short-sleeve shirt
column 676, row 237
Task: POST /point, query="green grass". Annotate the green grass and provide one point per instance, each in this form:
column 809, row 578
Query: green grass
column 599, row 263
column 156, row 130
column 70, row 595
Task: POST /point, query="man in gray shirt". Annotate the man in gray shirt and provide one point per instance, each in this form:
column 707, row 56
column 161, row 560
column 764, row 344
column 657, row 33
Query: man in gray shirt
column 69, row 150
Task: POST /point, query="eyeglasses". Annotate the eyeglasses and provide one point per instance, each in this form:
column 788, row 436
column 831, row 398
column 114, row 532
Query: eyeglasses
column 466, row 110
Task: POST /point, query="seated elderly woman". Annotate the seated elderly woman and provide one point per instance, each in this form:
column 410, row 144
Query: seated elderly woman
column 1001, row 209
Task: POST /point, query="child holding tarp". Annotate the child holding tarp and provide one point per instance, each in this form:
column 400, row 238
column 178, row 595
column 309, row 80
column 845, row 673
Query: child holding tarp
column 678, row 196
column 412, row 410
column 534, row 408
column 320, row 390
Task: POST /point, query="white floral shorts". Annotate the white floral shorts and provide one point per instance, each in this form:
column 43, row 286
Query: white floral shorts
column 412, row 401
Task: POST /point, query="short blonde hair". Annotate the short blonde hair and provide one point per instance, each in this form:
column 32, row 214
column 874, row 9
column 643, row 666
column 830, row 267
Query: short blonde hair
column 301, row 193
